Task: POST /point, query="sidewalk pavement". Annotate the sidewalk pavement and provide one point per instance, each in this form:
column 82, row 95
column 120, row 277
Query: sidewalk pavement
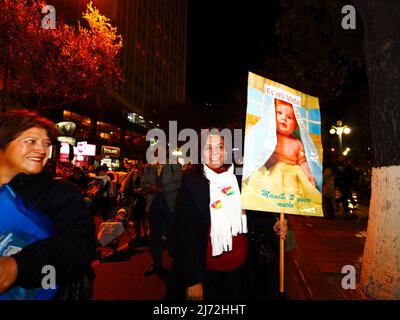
column 313, row 268
column 120, row 272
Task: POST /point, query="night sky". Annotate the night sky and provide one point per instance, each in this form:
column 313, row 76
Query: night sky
column 226, row 40
column 223, row 38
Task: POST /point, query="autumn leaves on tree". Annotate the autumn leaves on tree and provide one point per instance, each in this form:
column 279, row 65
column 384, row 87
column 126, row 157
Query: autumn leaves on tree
column 46, row 68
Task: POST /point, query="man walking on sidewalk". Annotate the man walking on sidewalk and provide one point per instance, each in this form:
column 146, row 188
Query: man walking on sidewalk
column 161, row 182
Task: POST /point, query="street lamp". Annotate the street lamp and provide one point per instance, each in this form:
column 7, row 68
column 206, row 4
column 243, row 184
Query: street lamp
column 346, row 152
column 339, row 129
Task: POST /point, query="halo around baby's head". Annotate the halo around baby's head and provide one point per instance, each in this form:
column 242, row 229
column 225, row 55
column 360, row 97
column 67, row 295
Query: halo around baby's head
column 286, row 122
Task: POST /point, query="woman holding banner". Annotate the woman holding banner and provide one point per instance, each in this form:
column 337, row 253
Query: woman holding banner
column 210, row 227
column 25, row 140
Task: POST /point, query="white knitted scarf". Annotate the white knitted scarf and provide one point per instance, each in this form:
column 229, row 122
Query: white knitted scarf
column 227, row 219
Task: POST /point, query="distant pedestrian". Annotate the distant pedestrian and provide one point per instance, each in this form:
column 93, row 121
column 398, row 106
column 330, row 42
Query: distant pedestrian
column 345, row 175
column 98, row 191
column 160, row 181
column 328, row 193
column 113, row 192
column 78, row 179
column 139, row 209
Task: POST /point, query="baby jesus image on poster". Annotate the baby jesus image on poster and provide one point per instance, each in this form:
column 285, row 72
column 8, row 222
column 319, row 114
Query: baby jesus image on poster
column 289, row 150
column 282, row 170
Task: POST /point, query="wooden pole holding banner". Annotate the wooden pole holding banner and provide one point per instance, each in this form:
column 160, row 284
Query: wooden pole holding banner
column 282, row 258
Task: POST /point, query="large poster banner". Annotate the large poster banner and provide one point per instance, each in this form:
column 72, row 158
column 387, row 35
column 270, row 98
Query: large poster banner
column 282, row 169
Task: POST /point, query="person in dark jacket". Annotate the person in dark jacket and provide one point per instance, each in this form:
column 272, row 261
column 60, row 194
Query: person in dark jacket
column 210, row 230
column 25, row 140
column 160, row 182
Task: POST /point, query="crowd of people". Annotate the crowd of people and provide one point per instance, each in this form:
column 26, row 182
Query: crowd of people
column 219, row 251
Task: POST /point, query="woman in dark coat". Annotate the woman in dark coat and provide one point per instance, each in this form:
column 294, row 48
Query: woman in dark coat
column 25, row 140
column 210, row 228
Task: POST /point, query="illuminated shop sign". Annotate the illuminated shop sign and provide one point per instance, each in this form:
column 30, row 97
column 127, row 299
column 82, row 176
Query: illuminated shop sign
column 67, row 140
column 83, row 149
column 67, row 128
column 110, row 151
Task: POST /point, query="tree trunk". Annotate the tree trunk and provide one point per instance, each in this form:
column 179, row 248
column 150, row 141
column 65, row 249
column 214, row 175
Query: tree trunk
column 381, row 264
column 380, row 277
